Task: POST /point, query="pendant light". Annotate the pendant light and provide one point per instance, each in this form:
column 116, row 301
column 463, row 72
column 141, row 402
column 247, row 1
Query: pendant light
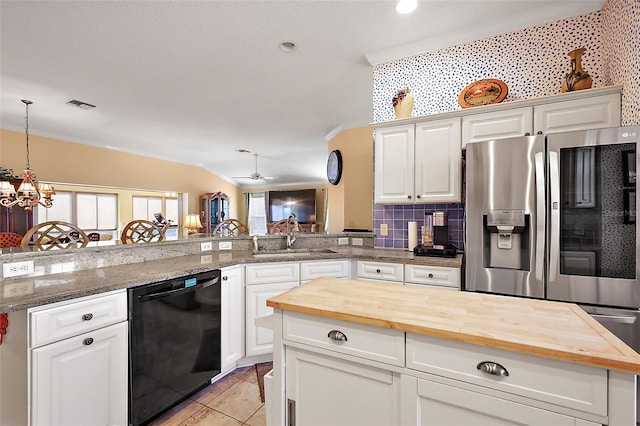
column 29, row 193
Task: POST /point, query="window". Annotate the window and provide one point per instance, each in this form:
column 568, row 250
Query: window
column 257, row 213
column 89, row 211
column 146, row 207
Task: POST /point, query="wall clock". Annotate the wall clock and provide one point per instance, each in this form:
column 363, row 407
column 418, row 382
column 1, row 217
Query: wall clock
column 334, row 167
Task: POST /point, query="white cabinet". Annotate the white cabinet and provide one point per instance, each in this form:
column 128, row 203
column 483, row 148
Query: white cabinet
column 324, row 390
column 262, row 282
column 326, row 268
column 432, row 276
column 544, row 117
column 429, row 403
column 497, row 125
column 580, row 114
column 79, row 368
column 335, row 387
column 418, row 163
column 380, row 271
column 81, row 380
column 232, row 317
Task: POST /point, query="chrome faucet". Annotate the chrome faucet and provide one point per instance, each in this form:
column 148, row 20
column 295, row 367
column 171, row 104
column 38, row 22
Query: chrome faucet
column 292, row 225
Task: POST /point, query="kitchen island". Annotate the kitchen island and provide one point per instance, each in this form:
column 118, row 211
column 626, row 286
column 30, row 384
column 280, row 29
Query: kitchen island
column 357, row 352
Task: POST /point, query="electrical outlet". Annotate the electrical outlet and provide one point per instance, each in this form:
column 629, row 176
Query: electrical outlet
column 16, row 269
column 206, row 246
column 343, row 241
column 225, row 245
column 384, row 229
column 356, row 241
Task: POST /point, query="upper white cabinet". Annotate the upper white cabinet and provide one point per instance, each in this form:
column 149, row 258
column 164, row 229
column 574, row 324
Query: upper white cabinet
column 589, row 111
column 497, row 125
column 418, row 163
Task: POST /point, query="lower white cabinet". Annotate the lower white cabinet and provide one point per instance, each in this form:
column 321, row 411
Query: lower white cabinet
column 432, row 276
column 232, row 326
column 429, row 403
column 81, row 380
column 324, row 390
column 388, row 272
column 337, row 373
column 262, row 282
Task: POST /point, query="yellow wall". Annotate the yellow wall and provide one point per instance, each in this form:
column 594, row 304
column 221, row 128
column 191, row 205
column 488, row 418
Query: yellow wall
column 54, row 160
column 351, row 201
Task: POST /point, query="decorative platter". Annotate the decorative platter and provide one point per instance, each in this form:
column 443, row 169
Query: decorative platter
column 483, row 92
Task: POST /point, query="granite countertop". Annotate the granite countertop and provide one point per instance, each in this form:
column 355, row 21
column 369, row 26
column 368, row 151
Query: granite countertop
column 26, row 292
column 555, row 330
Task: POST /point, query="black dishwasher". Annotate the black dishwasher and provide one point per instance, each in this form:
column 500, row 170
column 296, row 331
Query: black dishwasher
column 174, row 342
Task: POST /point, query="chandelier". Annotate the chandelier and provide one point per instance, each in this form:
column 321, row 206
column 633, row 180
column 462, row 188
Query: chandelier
column 30, row 193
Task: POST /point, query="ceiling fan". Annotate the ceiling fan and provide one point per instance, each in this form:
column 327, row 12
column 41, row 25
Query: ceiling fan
column 255, row 175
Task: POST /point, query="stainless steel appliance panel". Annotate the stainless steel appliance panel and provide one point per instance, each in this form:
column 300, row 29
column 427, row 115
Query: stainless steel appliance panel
column 591, row 217
column 504, row 231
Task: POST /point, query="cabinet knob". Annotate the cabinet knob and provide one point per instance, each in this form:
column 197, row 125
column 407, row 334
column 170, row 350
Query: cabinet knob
column 337, row 335
column 225, row 278
column 88, row 341
column 539, row 132
column 418, row 196
column 409, row 196
column 492, row 368
column 377, row 271
column 527, row 134
column 87, row 317
column 430, row 275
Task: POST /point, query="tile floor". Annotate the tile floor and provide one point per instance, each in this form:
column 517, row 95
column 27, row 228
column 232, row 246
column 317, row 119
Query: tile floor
column 232, row 401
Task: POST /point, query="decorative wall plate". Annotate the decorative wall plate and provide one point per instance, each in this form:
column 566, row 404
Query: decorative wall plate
column 483, row 92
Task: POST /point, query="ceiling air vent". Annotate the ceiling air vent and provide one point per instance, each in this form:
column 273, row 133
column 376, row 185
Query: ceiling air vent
column 80, row 104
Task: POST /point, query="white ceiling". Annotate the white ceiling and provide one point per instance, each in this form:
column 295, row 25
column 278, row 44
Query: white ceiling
column 194, row 81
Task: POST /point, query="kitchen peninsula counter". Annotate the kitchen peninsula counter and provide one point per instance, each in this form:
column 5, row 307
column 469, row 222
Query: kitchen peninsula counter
column 70, row 279
column 413, row 355
column 555, row 330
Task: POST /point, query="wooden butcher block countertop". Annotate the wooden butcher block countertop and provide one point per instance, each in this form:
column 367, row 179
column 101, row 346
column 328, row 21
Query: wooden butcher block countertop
column 556, row 330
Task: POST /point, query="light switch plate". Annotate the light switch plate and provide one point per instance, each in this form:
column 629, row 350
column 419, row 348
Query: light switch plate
column 356, row 241
column 16, row 269
column 225, row 245
column 206, row 246
column 343, row 241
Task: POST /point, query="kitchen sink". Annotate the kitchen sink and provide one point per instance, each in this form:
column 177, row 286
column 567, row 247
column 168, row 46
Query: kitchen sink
column 292, row 252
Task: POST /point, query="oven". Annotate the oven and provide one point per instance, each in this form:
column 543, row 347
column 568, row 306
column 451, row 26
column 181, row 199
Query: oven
column 174, row 342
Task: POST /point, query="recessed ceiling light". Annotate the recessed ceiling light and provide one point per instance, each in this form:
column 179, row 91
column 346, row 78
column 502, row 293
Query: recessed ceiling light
column 406, row 6
column 287, row 46
column 244, row 151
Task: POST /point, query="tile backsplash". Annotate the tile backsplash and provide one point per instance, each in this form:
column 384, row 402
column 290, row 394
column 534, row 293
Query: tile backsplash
column 397, row 217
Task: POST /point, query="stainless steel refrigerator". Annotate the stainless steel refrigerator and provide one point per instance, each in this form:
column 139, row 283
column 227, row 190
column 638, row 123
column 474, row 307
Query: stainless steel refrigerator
column 555, row 217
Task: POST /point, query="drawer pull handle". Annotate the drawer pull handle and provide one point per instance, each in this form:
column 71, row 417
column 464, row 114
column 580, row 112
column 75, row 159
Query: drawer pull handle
column 377, row 271
column 430, row 275
column 493, row 368
column 225, row 278
column 88, row 341
column 337, row 335
column 87, row 317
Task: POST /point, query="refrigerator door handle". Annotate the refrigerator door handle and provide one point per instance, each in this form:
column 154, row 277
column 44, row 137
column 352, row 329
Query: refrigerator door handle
column 540, row 215
column 554, row 220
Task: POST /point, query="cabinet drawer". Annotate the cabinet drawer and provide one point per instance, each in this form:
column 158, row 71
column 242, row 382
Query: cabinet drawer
column 378, row 344
column 333, row 268
column 381, row 271
column 575, row 386
column 432, row 275
column 66, row 319
column 273, row 273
